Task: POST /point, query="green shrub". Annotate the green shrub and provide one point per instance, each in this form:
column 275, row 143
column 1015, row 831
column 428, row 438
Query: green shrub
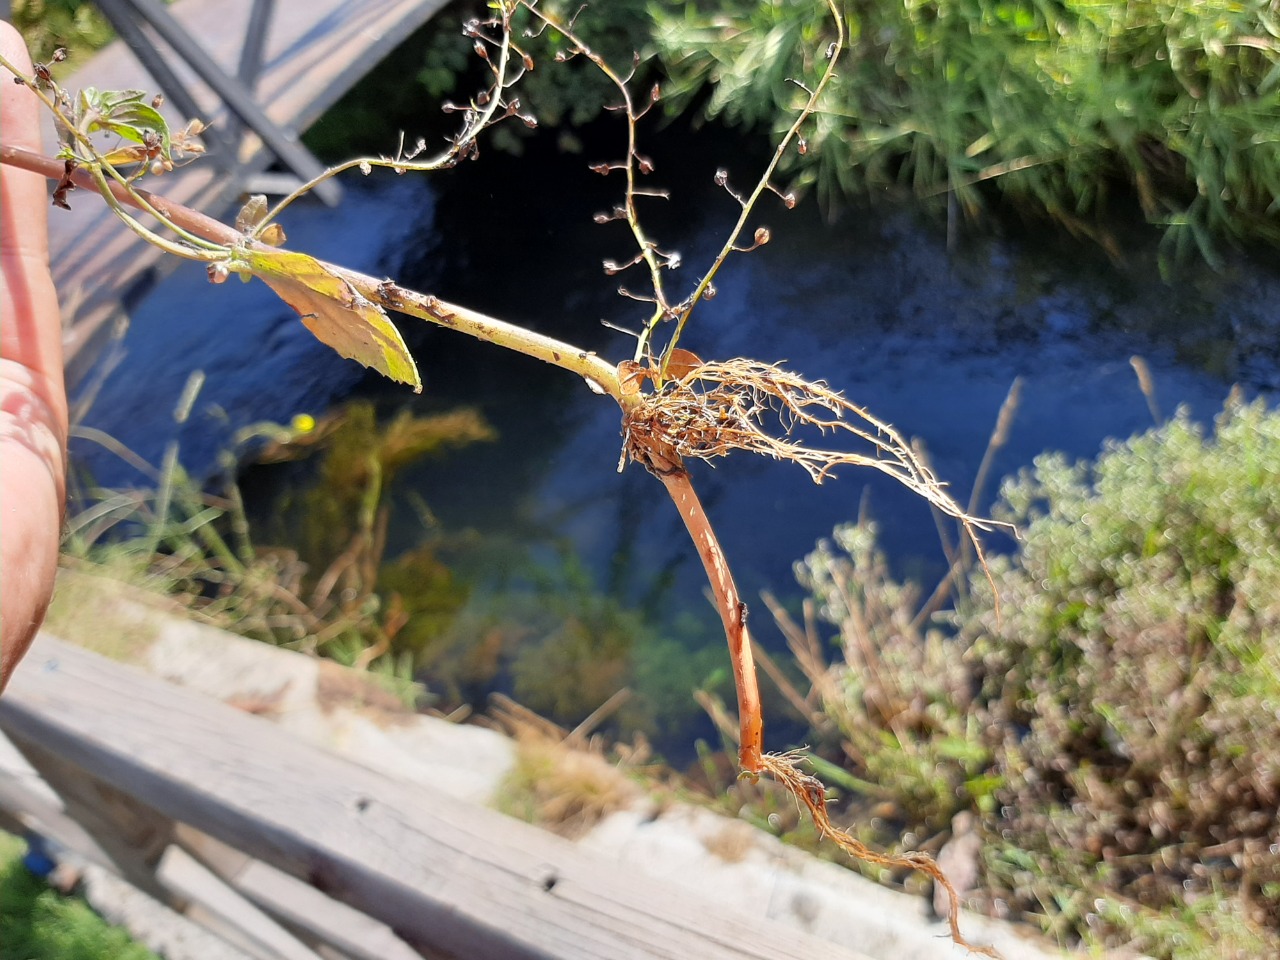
column 897, row 701
column 1134, row 680
column 1117, row 726
column 1051, row 103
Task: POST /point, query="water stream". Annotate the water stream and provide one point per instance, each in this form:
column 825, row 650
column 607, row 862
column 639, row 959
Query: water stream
column 873, row 303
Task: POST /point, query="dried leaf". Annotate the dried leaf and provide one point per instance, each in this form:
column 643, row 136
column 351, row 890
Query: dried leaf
column 681, row 363
column 252, row 213
column 333, row 310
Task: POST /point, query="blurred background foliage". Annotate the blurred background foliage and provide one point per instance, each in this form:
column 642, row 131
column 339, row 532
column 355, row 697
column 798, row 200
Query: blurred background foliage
column 1063, row 109
column 1076, row 111
column 47, row 25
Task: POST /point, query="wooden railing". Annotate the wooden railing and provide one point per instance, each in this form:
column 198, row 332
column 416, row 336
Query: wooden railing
column 292, row 847
column 235, row 91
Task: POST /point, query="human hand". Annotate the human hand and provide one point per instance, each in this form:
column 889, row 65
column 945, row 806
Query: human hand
column 33, row 401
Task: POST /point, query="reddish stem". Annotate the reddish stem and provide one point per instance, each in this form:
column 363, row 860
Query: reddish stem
column 186, row 218
column 733, row 614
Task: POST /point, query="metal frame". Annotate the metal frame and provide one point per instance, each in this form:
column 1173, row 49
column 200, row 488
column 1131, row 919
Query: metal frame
column 127, row 16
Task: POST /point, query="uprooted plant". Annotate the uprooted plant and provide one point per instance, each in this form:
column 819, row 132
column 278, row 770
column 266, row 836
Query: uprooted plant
column 674, row 406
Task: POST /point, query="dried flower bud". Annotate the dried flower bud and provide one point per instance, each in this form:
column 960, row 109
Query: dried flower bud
column 528, row 62
column 722, row 177
column 645, row 164
column 761, row 236
column 218, row 272
column 655, row 94
column 802, row 145
column 789, row 200
column 481, row 50
column 611, row 267
column 710, row 292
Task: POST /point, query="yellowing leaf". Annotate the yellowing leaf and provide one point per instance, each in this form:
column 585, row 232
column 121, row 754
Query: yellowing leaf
column 333, row 310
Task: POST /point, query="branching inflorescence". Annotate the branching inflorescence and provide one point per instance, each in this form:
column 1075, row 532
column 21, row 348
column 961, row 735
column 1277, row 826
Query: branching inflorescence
column 674, row 406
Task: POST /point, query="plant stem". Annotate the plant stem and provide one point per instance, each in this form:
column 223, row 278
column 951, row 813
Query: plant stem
column 763, row 184
column 733, row 614
column 586, row 364
column 596, row 370
column 190, row 220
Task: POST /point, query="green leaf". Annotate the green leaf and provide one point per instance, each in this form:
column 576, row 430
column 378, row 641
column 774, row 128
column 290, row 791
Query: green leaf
column 125, row 113
column 332, row 309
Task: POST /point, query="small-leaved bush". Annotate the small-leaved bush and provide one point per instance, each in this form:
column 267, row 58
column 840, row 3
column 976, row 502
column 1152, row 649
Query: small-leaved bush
column 1116, row 728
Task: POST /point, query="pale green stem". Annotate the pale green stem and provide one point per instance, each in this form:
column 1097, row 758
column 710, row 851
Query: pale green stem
column 633, row 217
column 762, row 185
column 210, row 255
column 483, row 118
column 585, row 363
column 95, row 164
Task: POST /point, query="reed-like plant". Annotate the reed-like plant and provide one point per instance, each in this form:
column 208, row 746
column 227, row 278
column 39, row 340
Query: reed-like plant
column 1064, row 109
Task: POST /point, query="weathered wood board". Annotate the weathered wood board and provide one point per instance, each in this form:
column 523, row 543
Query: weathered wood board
column 445, row 876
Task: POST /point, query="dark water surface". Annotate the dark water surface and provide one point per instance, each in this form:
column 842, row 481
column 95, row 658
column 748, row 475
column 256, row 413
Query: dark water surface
column 872, row 303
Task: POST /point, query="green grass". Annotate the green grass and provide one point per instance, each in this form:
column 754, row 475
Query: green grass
column 38, row 923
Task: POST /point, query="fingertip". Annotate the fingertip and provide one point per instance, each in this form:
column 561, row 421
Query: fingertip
column 13, row 46
column 23, row 195
column 19, row 108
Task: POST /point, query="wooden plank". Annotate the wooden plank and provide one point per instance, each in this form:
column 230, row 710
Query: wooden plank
column 299, row 905
column 231, row 915
column 444, row 875
column 130, row 833
column 22, row 809
column 315, row 52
